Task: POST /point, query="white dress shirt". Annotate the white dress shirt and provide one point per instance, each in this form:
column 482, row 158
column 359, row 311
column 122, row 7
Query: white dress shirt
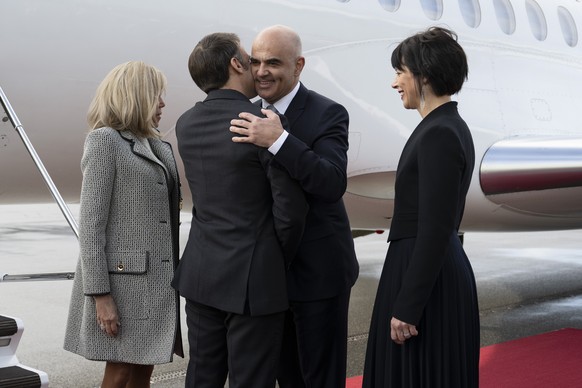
column 281, row 105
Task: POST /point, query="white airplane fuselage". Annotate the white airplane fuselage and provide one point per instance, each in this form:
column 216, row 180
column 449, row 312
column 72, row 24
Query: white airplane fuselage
column 521, row 101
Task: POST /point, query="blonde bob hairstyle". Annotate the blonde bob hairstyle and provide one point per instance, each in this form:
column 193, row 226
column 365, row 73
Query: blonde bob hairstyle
column 128, row 98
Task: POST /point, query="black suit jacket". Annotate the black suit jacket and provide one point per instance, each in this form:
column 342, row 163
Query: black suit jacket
column 315, row 154
column 247, row 213
column 432, row 180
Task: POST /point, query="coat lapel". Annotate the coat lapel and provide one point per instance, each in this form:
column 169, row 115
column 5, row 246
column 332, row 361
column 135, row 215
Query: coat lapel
column 297, row 106
column 163, row 152
column 157, row 155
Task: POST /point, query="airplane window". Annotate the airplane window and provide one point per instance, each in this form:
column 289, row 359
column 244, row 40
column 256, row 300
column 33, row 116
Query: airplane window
column 471, row 11
column 390, row 5
column 537, row 20
column 505, row 16
column 569, row 30
column 433, row 9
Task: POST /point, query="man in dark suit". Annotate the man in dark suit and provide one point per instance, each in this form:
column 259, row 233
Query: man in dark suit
column 248, row 218
column 314, row 152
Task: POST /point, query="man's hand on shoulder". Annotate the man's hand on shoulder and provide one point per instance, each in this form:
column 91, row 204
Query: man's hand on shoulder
column 257, row 130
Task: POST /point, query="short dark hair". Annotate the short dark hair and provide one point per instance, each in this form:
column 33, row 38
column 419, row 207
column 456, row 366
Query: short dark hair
column 209, row 61
column 434, row 55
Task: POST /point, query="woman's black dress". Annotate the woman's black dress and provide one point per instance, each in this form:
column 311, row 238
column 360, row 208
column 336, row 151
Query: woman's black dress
column 427, row 279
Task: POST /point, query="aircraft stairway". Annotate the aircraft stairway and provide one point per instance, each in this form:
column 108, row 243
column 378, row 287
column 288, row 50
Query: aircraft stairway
column 7, row 113
column 12, row 372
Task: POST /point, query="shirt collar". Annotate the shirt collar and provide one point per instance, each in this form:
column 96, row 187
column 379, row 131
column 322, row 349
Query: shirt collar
column 283, row 103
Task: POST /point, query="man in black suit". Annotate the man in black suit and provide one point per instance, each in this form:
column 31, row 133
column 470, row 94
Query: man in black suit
column 248, row 218
column 314, row 152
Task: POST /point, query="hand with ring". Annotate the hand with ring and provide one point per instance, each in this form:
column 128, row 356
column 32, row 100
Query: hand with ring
column 107, row 316
column 401, row 331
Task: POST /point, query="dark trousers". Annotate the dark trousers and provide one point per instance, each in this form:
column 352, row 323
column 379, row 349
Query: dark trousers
column 315, row 344
column 246, row 348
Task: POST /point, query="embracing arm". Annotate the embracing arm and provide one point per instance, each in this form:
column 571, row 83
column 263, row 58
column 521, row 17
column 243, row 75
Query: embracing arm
column 319, row 168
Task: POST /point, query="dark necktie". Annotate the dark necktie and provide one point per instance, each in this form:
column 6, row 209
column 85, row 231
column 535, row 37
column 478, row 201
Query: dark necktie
column 282, row 117
column 272, row 108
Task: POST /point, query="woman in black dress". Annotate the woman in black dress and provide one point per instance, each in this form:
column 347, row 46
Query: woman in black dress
column 425, row 324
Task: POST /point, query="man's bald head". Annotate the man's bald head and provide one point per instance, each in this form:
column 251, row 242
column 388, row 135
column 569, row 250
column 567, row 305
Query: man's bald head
column 283, row 35
column 276, row 62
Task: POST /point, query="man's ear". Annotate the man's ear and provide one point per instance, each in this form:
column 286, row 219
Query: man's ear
column 236, row 65
column 299, row 64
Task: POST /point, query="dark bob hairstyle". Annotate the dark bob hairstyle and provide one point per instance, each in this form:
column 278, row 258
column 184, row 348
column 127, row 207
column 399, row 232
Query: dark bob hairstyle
column 435, row 56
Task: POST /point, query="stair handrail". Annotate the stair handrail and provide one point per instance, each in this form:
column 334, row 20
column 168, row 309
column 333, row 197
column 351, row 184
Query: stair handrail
column 47, row 178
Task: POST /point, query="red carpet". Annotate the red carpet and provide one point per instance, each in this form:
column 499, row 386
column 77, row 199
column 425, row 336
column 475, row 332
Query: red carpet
column 552, row 359
column 354, row 382
column 546, row 360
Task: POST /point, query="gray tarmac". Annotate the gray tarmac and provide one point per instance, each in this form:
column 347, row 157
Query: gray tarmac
column 528, row 283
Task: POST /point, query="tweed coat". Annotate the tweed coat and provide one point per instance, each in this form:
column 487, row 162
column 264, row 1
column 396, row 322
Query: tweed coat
column 128, row 237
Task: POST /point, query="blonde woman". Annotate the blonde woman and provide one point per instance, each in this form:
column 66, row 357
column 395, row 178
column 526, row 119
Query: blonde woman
column 123, row 309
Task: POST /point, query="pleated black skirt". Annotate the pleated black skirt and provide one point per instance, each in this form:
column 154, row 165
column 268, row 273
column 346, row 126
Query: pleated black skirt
column 445, row 354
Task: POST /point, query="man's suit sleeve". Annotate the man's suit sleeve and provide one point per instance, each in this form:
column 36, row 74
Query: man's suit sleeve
column 289, row 206
column 321, row 168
